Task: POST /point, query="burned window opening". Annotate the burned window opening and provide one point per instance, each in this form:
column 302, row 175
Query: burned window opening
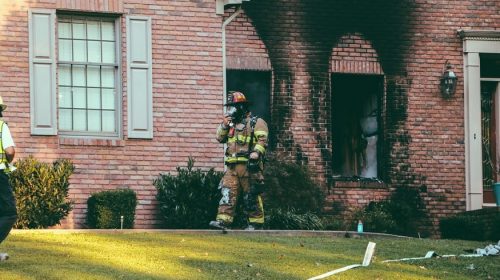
column 256, row 85
column 356, row 108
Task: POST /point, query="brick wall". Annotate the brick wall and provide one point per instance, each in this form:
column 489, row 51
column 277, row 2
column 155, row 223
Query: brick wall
column 245, row 49
column 187, row 85
column 407, row 41
column 354, row 54
column 302, row 42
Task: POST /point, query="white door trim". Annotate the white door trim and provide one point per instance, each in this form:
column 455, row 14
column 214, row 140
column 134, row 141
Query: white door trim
column 474, row 43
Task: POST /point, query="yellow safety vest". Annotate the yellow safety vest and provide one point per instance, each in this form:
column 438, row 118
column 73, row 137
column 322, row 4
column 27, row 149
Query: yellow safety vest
column 2, row 151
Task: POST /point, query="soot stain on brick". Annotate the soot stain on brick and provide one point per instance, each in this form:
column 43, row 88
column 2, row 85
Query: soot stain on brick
column 305, row 32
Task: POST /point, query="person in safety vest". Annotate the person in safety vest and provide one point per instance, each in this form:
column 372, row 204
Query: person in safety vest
column 8, row 213
column 246, row 139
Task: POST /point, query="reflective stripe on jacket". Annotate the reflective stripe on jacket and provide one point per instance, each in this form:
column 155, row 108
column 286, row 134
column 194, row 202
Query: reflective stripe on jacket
column 239, row 139
column 3, row 160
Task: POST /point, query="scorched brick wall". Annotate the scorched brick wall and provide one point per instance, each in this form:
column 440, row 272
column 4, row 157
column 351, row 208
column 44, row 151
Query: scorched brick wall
column 303, row 43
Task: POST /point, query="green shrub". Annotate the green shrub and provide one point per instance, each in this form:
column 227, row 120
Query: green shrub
column 289, row 186
column 41, row 191
column 408, row 210
column 400, row 214
column 462, row 227
column 332, row 223
column 105, row 208
column 377, row 217
column 190, row 198
column 290, row 219
column 479, row 225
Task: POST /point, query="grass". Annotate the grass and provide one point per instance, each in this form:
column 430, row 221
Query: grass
column 50, row 255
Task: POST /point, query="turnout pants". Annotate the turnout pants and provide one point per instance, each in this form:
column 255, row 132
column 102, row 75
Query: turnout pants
column 8, row 213
column 237, row 179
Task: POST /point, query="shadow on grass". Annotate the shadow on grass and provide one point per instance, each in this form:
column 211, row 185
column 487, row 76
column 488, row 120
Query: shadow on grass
column 192, row 256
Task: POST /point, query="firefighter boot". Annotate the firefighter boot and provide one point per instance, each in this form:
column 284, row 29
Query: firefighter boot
column 218, row 224
column 253, row 226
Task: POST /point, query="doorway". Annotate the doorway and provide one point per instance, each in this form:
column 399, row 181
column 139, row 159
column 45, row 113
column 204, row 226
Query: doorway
column 256, row 85
column 490, row 123
column 356, row 125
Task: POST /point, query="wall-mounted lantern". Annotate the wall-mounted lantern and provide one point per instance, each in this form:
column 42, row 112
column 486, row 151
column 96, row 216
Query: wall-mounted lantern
column 448, row 81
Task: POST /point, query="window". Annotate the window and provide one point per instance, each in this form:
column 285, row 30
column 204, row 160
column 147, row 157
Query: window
column 87, row 76
column 356, row 125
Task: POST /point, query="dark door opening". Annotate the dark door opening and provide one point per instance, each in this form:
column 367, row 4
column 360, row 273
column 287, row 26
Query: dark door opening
column 256, row 85
column 490, row 123
column 356, row 108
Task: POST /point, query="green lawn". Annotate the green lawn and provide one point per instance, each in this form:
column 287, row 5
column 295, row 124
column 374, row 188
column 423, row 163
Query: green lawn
column 53, row 255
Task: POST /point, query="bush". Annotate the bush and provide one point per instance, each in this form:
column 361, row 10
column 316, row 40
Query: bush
column 189, row 199
column 104, row 209
column 289, row 186
column 479, row 225
column 408, row 210
column 290, row 219
column 41, row 192
column 377, row 217
column 333, row 223
column 400, row 214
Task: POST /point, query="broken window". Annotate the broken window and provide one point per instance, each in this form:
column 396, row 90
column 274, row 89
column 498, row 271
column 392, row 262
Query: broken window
column 356, row 124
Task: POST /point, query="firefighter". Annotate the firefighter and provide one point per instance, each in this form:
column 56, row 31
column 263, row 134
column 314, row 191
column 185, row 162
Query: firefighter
column 246, row 138
column 8, row 213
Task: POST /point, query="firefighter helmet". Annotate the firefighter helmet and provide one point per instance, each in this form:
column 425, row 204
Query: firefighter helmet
column 237, row 98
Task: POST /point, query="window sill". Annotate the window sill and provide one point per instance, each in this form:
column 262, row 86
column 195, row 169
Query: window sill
column 64, row 141
column 356, row 182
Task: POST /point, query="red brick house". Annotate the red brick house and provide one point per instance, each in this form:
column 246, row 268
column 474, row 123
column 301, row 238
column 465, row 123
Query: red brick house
column 128, row 89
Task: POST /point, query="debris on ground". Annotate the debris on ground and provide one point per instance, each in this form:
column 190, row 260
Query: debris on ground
column 490, row 250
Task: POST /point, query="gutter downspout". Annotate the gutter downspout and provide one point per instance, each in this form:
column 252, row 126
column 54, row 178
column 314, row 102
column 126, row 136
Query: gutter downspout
column 226, row 22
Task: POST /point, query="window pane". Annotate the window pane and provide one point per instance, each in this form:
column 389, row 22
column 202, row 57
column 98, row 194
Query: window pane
column 65, row 119
column 79, row 98
column 80, row 120
column 79, row 51
column 87, row 95
column 79, row 76
column 93, row 30
column 108, row 99
column 94, row 51
column 94, row 98
column 79, row 31
column 108, row 121
column 108, row 77
column 65, row 50
column 108, row 52
column 64, row 75
column 65, row 97
column 94, row 120
column 93, row 76
column 108, row 31
column 64, row 30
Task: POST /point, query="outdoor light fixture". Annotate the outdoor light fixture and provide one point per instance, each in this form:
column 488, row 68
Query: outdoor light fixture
column 448, row 81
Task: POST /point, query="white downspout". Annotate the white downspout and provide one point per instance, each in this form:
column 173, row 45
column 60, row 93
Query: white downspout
column 224, row 82
column 226, row 22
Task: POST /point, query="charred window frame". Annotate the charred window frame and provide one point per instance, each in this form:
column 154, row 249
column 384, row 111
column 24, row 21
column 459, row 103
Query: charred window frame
column 357, row 126
column 256, row 85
